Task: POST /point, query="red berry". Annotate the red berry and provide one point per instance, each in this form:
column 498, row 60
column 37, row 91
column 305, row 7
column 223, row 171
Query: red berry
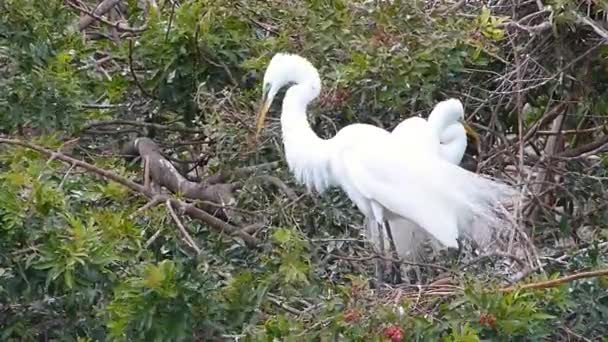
column 395, row 333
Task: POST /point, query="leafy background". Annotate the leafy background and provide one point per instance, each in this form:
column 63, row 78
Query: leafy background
column 78, row 261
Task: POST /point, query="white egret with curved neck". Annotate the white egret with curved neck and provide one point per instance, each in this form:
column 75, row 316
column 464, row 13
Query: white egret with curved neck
column 387, row 181
column 449, row 140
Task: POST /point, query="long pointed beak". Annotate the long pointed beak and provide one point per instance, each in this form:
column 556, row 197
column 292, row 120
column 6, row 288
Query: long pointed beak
column 261, row 116
column 470, row 132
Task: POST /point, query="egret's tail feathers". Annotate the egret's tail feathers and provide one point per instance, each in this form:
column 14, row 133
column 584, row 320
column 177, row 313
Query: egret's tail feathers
column 482, row 215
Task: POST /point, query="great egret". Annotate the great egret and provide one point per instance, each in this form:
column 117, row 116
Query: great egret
column 446, row 136
column 386, row 180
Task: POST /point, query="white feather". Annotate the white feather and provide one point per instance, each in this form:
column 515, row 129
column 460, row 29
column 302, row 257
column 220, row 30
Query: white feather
column 445, row 136
column 385, row 178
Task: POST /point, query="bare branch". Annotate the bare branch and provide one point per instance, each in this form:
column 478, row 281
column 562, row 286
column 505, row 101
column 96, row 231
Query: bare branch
column 119, row 25
column 142, row 124
column 591, row 23
column 558, row 281
column 189, row 209
column 180, row 225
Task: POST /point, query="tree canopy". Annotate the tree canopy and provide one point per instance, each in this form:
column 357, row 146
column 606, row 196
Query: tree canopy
column 134, row 204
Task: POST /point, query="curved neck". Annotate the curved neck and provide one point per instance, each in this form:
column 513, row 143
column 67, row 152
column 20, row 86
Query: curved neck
column 453, row 141
column 439, row 121
column 306, row 153
column 293, row 114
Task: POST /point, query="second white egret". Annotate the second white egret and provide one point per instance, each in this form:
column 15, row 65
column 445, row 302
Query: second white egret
column 446, row 135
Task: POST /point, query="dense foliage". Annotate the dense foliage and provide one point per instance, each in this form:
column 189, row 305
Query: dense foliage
column 83, row 258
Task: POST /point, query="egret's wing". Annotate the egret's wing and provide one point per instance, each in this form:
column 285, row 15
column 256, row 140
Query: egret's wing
column 431, row 192
column 389, row 181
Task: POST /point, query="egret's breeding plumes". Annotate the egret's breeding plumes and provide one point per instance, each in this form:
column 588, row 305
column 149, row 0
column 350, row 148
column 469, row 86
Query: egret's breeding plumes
column 387, row 180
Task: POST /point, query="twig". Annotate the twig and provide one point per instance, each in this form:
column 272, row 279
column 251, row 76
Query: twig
column 260, row 167
column 152, row 238
column 119, row 25
column 146, row 162
column 101, row 9
column 281, row 303
column 591, row 23
column 154, row 201
column 377, row 256
column 132, row 71
column 575, row 152
column 495, row 254
column 142, row 124
column 558, row 281
column 281, row 185
column 65, row 176
column 579, row 337
column 534, row 29
column 181, row 227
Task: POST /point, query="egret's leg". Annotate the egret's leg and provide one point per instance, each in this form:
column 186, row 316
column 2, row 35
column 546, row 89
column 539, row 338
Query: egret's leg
column 378, row 214
column 380, row 261
column 396, row 266
column 460, row 247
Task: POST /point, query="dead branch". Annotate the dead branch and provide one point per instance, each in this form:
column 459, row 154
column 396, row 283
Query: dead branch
column 164, row 174
column 591, row 23
column 142, row 124
column 185, row 207
column 279, row 184
column 119, row 25
column 182, row 229
column 534, row 29
column 498, row 254
column 134, row 74
column 558, row 281
column 101, row 9
column 577, row 151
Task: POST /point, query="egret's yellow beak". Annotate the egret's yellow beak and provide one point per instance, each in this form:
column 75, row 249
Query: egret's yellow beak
column 470, row 131
column 262, row 112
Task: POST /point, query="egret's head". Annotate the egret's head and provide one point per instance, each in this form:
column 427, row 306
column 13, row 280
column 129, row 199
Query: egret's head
column 285, row 69
column 449, row 112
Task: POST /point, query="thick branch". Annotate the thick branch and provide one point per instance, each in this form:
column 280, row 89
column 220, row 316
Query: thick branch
column 189, row 209
column 577, row 151
column 163, row 173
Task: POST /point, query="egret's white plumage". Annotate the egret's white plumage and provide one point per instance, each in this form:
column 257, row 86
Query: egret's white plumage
column 445, row 135
column 384, row 178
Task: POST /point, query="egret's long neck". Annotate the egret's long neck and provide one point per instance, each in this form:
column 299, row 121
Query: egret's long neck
column 453, row 141
column 293, row 114
column 438, row 120
column 451, row 133
column 306, row 153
